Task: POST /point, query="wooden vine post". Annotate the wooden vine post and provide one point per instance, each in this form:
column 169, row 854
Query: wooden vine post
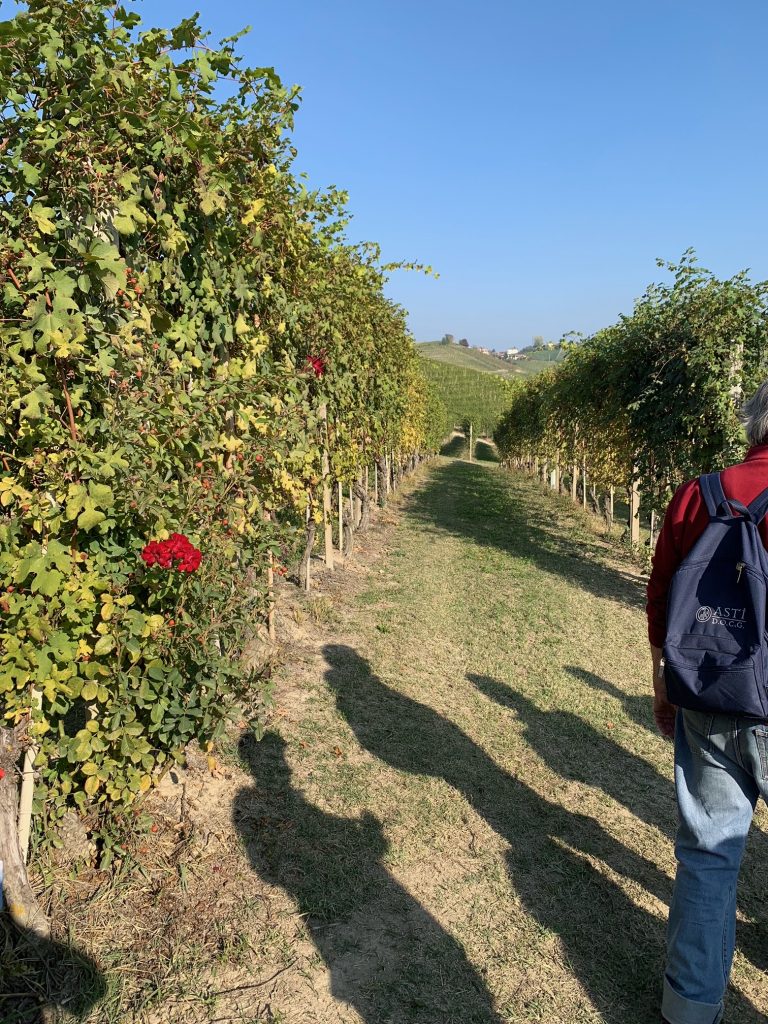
column 574, row 482
column 634, row 508
column 28, row 787
column 305, row 566
column 471, row 445
column 327, row 509
column 583, row 483
column 340, row 488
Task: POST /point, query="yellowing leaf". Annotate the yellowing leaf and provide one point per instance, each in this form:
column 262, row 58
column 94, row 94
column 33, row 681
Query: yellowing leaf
column 104, row 645
column 42, row 215
column 90, row 689
column 253, row 210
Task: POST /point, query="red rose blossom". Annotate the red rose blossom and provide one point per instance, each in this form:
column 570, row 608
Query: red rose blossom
column 177, row 549
column 317, row 364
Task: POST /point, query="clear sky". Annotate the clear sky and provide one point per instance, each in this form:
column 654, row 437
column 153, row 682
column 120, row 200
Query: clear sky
column 539, row 155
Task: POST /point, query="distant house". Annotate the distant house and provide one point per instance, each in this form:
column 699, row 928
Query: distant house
column 485, row 351
column 511, row 352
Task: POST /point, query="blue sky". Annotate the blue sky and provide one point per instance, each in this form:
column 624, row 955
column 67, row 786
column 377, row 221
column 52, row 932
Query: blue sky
column 539, row 155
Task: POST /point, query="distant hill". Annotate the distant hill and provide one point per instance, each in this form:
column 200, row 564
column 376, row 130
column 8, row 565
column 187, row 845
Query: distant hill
column 531, row 361
column 468, row 358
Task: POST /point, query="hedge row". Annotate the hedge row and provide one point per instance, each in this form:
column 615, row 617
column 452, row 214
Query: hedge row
column 654, row 398
column 177, row 309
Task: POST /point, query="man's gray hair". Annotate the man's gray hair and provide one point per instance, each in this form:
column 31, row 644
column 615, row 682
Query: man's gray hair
column 754, row 416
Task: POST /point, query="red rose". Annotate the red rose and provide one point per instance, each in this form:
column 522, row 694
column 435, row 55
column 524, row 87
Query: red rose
column 317, row 364
column 177, row 549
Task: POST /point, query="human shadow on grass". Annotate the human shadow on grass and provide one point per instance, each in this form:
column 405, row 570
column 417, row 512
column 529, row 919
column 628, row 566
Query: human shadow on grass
column 576, row 750
column 40, row 979
column 614, row 947
column 638, row 707
column 386, row 955
column 473, row 501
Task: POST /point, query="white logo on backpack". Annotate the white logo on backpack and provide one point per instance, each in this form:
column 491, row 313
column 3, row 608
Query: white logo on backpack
column 731, row 617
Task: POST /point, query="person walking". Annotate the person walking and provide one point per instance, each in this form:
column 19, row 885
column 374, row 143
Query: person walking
column 721, row 759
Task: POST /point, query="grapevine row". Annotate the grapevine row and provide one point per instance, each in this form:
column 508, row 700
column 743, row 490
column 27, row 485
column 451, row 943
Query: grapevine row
column 191, row 354
column 652, row 400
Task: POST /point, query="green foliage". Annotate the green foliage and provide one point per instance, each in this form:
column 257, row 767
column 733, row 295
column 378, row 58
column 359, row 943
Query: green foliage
column 468, row 395
column 657, row 394
column 165, row 280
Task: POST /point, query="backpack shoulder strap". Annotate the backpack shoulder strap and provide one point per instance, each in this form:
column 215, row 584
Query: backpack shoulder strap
column 759, row 507
column 713, row 493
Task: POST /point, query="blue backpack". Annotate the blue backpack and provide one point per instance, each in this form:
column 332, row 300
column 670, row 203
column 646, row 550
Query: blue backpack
column 716, row 649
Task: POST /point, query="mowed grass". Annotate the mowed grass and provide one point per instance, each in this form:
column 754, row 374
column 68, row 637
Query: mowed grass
column 460, row 812
column 470, row 812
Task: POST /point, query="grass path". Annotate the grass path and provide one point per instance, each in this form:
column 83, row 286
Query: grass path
column 480, row 812
column 460, row 811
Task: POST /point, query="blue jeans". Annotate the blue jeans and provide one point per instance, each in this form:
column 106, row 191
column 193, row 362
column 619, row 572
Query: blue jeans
column 721, row 767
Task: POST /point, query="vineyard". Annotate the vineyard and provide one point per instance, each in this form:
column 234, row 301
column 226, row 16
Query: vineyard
column 196, row 366
column 471, row 395
column 650, row 401
column 316, row 707
column 466, row 358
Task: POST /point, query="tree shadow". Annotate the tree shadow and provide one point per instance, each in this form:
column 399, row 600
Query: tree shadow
column 614, row 947
column 40, row 979
column 469, row 500
column 485, row 451
column 387, row 956
column 575, row 750
column 454, row 447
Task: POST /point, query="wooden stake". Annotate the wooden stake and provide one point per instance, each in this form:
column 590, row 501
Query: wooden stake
column 341, row 518
column 270, row 588
column 28, row 789
column 634, row 509
column 574, row 481
column 327, row 510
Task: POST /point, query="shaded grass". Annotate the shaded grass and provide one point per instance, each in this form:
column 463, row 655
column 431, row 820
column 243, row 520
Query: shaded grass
column 38, row 977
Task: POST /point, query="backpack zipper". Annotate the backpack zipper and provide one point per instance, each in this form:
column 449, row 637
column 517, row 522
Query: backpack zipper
column 739, row 571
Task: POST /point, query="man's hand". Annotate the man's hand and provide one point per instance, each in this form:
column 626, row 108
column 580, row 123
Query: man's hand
column 664, row 713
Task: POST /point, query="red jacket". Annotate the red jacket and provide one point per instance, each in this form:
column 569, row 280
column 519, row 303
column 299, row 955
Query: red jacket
column 684, row 522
